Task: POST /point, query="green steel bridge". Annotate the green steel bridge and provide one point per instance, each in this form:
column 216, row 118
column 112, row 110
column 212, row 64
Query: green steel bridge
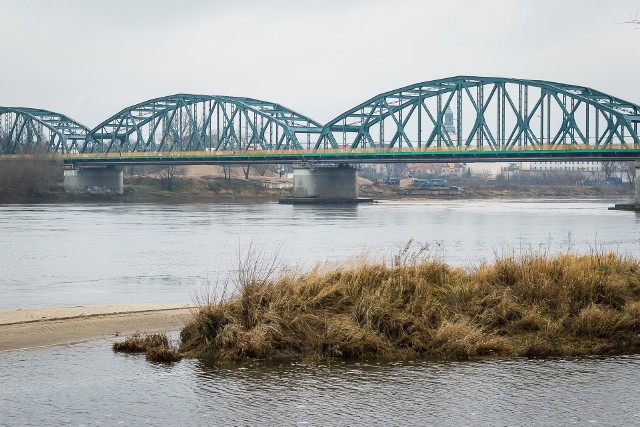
column 456, row 119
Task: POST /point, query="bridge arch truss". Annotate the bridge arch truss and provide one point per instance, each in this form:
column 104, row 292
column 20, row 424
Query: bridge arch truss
column 23, row 130
column 486, row 114
column 188, row 123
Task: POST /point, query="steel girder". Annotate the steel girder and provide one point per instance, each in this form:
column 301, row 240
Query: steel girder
column 24, row 129
column 186, row 122
column 498, row 114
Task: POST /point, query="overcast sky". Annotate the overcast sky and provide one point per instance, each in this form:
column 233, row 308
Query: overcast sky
column 90, row 59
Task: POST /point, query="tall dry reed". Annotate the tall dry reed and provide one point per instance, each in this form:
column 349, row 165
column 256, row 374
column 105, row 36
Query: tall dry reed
column 533, row 305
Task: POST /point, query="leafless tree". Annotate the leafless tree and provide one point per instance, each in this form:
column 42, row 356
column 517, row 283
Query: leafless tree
column 226, row 169
column 32, row 173
column 396, row 170
column 609, row 167
column 628, row 168
column 169, row 175
column 262, row 170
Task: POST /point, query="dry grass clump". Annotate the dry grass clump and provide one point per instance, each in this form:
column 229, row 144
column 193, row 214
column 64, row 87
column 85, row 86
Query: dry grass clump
column 533, row 306
column 163, row 355
column 156, row 347
column 139, row 343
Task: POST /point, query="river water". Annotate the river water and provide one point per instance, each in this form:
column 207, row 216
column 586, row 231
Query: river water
column 71, row 254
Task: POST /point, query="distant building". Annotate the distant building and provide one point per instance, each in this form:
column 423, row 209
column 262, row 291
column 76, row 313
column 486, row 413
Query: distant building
column 573, row 166
column 487, row 170
column 436, row 169
column 448, row 121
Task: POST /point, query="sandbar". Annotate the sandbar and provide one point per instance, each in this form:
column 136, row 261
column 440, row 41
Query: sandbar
column 37, row 327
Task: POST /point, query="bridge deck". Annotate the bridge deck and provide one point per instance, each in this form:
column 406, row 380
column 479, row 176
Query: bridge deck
column 411, row 155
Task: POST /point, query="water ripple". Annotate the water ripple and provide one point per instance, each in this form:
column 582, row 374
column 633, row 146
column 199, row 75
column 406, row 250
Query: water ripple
column 87, row 383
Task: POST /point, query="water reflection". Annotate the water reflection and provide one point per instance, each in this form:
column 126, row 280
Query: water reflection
column 313, row 213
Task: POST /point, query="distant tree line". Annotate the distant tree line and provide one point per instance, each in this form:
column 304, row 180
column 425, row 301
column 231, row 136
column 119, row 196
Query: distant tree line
column 32, row 173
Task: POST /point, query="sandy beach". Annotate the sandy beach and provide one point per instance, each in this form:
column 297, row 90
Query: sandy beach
column 35, row 327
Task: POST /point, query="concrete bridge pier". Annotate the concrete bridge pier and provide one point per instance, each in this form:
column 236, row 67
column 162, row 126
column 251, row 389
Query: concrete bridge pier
column 326, row 184
column 97, row 180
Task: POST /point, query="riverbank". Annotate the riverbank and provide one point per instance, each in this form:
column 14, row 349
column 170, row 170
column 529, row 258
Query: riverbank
column 141, row 189
column 145, row 189
column 470, row 190
column 36, row 327
column 534, row 306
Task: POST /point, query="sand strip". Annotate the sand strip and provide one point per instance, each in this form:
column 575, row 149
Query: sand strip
column 35, row 327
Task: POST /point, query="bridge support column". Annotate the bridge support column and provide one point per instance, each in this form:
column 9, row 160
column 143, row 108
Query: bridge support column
column 99, row 180
column 336, row 184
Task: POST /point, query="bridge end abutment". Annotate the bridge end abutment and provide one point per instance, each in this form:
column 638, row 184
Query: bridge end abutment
column 97, row 180
column 325, row 185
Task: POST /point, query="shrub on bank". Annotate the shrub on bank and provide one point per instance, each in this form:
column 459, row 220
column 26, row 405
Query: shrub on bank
column 533, row 306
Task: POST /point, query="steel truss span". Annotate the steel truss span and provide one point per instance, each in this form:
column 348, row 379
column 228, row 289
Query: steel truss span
column 26, row 130
column 479, row 118
column 485, row 114
column 202, row 123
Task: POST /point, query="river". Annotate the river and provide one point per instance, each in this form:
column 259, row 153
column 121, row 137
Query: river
column 73, row 254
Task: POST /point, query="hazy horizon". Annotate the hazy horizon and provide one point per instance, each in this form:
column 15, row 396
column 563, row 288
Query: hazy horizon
column 91, row 59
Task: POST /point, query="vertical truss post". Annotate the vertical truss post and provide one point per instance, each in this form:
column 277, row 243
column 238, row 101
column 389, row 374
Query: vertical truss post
column 399, row 127
column 480, row 129
column 239, row 133
column 210, row 112
column 635, row 125
column 572, row 130
column 180, row 129
column 218, row 107
column 498, row 101
column 564, row 118
column 381, row 128
column 542, row 118
column 549, row 118
column 526, row 115
column 459, row 118
column 344, row 134
column 520, row 122
column 439, row 122
column 420, row 118
column 587, row 133
column 503, row 123
column 597, row 128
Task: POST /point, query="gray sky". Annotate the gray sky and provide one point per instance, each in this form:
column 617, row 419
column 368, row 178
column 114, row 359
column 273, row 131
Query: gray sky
column 89, row 59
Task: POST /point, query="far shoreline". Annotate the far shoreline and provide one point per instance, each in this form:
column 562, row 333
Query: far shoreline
column 252, row 191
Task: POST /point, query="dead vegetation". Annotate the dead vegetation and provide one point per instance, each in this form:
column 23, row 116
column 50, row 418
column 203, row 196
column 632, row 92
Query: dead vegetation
column 532, row 306
column 156, row 347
